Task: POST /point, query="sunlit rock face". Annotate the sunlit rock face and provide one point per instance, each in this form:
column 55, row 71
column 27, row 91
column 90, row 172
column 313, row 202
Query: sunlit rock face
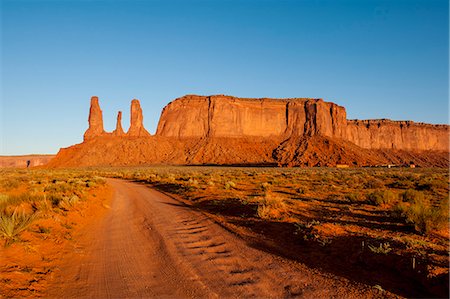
column 225, row 130
column 119, row 130
column 137, row 121
column 95, row 120
column 225, row 116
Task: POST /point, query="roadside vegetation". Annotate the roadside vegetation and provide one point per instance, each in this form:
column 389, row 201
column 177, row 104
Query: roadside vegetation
column 391, row 220
column 39, row 210
column 384, row 227
column 27, row 196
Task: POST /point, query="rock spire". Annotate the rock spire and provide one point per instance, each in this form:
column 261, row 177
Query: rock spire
column 95, row 120
column 119, row 131
column 136, row 121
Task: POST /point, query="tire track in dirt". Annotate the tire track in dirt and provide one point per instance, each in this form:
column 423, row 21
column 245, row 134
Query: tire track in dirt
column 150, row 245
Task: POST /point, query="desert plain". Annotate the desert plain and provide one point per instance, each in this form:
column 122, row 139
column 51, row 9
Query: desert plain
column 232, row 198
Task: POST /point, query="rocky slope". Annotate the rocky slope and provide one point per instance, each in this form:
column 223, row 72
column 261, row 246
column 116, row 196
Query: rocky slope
column 227, row 130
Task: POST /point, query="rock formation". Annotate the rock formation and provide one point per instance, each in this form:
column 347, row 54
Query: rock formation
column 229, row 130
column 223, row 116
column 136, row 121
column 95, row 120
column 399, row 135
column 119, row 131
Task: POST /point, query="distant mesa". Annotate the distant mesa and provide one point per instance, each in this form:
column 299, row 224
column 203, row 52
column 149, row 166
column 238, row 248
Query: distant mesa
column 227, row 130
column 24, row 161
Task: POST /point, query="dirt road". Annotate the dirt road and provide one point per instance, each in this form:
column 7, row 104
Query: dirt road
column 150, row 245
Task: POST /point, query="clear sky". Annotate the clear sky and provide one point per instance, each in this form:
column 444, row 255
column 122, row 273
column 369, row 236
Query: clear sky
column 379, row 59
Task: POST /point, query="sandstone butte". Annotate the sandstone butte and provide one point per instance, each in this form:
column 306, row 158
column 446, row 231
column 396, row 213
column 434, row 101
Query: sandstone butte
column 225, row 130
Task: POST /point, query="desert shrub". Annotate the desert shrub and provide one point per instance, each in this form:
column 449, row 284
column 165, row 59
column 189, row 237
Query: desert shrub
column 374, row 183
column 68, row 202
column 43, row 206
column 17, row 199
column 432, row 184
column 382, row 197
column 90, row 184
column 230, row 185
column 171, row 178
column 411, row 195
column 12, row 224
column 3, row 199
column 383, row 248
column 43, row 230
column 55, row 199
column 309, row 225
column 265, row 186
column 58, row 187
column 271, row 207
column 98, row 180
column 192, row 182
column 402, row 183
column 10, row 183
column 422, row 215
column 354, row 197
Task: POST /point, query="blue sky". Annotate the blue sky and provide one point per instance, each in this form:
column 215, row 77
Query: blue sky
column 379, row 59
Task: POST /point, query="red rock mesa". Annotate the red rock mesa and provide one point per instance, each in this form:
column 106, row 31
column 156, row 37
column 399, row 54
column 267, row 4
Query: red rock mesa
column 228, row 130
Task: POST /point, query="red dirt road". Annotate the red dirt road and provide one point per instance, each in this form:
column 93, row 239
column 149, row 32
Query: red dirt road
column 151, row 245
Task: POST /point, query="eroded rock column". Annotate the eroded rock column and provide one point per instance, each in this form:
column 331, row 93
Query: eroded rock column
column 95, row 120
column 119, row 130
column 137, row 121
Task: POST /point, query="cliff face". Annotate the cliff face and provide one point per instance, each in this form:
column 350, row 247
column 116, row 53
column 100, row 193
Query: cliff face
column 21, row 161
column 399, row 135
column 224, row 116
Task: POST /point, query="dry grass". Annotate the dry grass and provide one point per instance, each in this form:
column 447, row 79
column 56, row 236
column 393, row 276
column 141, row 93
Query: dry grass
column 271, row 207
column 12, row 224
column 26, row 194
column 334, row 210
column 424, row 217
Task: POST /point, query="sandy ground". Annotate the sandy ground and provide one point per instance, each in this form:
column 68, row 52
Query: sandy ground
column 151, row 245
